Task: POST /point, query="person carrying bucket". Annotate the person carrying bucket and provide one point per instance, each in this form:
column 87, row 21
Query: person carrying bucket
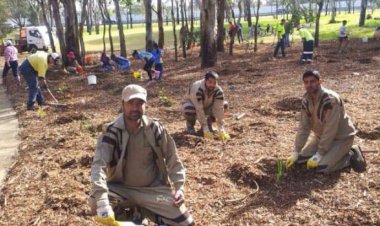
column 158, row 63
column 149, row 60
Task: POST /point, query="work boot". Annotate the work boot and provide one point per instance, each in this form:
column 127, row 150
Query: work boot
column 30, row 107
column 190, row 128
column 210, row 121
column 357, row 160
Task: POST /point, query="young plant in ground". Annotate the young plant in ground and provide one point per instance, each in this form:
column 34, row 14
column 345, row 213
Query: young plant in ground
column 41, row 113
column 280, row 170
column 164, row 99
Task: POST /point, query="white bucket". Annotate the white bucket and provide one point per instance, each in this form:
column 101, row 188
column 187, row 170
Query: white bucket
column 365, row 39
column 91, row 79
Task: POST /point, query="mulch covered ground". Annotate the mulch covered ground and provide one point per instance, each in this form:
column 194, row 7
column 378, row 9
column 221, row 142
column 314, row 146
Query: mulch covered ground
column 228, row 183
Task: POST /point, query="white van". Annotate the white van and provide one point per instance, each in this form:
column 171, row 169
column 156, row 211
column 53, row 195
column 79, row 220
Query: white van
column 33, row 38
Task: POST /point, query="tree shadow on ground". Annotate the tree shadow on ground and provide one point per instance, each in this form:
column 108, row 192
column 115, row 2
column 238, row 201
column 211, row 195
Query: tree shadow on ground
column 277, row 196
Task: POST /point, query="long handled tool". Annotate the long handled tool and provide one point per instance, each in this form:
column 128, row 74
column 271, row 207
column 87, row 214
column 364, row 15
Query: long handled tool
column 55, row 99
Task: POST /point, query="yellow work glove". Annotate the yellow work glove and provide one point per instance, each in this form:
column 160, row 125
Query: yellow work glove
column 292, row 159
column 208, row 135
column 109, row 221
column 223, row 135
column 314, row 161
column 105, row 216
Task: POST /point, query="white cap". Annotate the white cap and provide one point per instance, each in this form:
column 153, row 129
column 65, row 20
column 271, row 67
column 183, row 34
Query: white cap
column 133, row 91
column 55, row 56
column 8, row 43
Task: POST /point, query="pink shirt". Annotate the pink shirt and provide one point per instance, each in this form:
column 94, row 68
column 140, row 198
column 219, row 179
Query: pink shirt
column 10, row 53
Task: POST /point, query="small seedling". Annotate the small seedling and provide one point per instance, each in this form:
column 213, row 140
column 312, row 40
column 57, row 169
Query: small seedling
column 164, row 99
column 41, row 113
column 280, row 170
column 84, row 125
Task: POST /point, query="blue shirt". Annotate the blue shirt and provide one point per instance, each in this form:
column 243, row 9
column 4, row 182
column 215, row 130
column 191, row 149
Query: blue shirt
column 147, row 56
column 157, row 53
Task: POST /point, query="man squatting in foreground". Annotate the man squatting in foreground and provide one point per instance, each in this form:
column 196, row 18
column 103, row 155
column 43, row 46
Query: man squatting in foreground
column 329, row 148
column 135, row 163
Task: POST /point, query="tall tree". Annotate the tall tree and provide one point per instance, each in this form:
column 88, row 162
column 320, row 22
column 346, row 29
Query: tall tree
column 83, row 19
column 317, row 19
column 59, row 29
column 183, row 31
column 240, row 7
column 123, row 49
column 47, row 24
column 160, row 22
column 257, row 23
column 191, row 34
column 18, row 12
column 107, row 20
column 333, row 12
column 221, row 8
column 363, row 9
column 71, row 28
column 148, row 25
column 176, row 3
column 174, row 32
column 247, row 5
column 208, row 43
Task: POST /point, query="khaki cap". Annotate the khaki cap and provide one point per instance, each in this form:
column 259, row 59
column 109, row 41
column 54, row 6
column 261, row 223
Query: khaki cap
column 133, row 91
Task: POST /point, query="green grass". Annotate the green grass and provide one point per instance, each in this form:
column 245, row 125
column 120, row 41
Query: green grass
column 135, row 38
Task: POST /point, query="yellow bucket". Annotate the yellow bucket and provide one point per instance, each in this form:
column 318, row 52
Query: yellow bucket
column 136, row 74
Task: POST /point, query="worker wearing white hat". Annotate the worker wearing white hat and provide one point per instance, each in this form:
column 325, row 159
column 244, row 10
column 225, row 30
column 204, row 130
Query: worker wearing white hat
column 11, row 61
column 34, row 69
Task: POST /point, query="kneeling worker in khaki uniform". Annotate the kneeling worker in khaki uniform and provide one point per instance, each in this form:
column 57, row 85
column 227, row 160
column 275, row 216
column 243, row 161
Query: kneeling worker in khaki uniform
column 329, row 148
column 135, row 162
column 204, row 102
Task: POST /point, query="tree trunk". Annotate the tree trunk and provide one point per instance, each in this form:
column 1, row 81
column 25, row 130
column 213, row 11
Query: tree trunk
column 240, row 9
column 176, row 3
column 348, row 3
column 276, row 15
column 71, row 28
column 333, row 11
column 160, row 20
column 130, row 17
column 83, row 18
column 174, row 32
column 123, row 49
column 327, row 8
column 191, row 34
column 317, row 19
column 247, row 5
column 220, row 19
column 127, row 17
column 108, row 17
column 183, row 31
column 148, row 25
column 43, row 9
column 101, row 8
column 208, row 44
column 59, row 29
column 363, row 13
column 256, row 24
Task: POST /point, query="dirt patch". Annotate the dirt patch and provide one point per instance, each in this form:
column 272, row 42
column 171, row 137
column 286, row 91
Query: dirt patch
column 70, row 118
column 289, row 104
column 371, row 135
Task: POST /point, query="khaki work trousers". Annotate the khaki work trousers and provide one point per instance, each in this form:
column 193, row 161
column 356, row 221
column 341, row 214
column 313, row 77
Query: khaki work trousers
column 338, row 157
column 156, row 203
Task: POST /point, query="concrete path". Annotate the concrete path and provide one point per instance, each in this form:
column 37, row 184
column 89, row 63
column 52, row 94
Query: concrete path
column 9, row 139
